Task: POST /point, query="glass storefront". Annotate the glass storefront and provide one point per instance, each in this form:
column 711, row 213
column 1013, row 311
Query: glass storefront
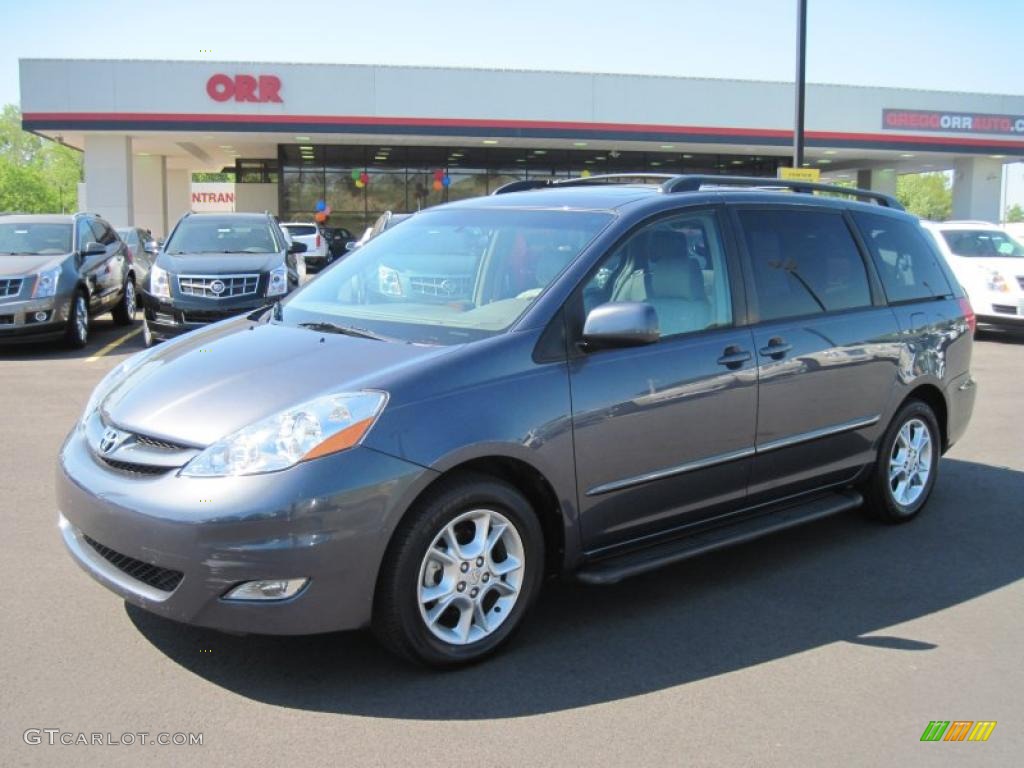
column 404, row 179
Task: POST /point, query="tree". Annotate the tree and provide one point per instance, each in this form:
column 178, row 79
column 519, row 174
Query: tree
column 927, row 195
column 36, row 175
column 1014, row 214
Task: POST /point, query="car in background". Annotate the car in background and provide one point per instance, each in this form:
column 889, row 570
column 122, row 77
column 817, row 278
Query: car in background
column 215, row 266
column 57, row 272
column 317, row 253
column 142, row 247
column 338, row 239
column 384, row 222
column 989, row 263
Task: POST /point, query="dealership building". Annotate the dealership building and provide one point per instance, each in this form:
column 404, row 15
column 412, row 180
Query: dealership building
column 366, row 139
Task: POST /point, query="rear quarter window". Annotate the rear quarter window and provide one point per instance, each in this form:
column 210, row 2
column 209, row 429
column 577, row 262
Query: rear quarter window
column 907, row 264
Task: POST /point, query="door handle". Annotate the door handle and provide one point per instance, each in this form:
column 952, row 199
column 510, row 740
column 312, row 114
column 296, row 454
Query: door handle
column 776, row 348
column 733, row 357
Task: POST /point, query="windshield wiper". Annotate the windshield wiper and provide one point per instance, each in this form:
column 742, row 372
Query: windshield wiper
column 345, row 330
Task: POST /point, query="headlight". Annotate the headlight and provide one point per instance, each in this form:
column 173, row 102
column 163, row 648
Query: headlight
column 46, row 283
column 109, row 382
column 326, row 425
column 389, row 283
column 278, row 281
column 159, row 282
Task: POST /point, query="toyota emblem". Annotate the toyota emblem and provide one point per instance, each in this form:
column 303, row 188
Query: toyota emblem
column 111, row 439
column 217, row 287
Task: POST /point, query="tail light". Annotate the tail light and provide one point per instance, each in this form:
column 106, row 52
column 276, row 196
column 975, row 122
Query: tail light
column 318, row 240
column 968, row 310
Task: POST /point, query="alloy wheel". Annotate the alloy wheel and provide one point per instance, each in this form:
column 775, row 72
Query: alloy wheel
column 471, row 577
column 81, row 311
column 910, row 462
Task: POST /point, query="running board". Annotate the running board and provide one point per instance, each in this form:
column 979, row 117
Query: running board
column 619, row 567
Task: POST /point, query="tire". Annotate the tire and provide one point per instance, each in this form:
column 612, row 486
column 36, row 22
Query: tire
column 147, row 335
column 76, row 332
column 890, row 500
column 124, row 312
column 486, row 594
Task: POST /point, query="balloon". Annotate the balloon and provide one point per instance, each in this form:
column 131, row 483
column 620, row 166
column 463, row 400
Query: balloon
column 447, row 180
column 437, row 186
column 438, row 175
column 359, row 183
column 364, row 177
column 585, row 173
column 321, row 205
column 320, row 217
column 327, row 211
column 355, row 174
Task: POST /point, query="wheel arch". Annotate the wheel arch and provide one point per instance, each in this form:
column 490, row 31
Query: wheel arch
column 933, row 397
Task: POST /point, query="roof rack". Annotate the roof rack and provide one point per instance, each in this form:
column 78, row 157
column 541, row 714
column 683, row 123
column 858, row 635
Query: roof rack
column 578, row 181
column 696, row 182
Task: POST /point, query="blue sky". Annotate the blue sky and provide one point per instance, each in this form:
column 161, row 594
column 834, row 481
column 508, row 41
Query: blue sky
column 960, row 45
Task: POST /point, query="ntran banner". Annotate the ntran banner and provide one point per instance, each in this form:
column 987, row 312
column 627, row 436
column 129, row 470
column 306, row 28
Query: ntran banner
column 952, row 122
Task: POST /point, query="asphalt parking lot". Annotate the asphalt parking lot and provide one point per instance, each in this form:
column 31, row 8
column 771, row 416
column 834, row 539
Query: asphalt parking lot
column 833, row 644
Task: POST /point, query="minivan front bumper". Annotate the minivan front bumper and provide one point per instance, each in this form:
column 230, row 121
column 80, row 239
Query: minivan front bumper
column 328, row 520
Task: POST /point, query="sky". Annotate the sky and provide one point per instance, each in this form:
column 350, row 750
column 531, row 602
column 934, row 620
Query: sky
column 956, row 45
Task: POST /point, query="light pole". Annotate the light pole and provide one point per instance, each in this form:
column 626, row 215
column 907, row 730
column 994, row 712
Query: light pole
column 801, row 55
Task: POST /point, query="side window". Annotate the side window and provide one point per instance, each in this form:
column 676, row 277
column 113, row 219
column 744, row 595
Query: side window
column 906, row 262
column 677, row 265
column 84, row 233
column 803, row 263
column 104, row 233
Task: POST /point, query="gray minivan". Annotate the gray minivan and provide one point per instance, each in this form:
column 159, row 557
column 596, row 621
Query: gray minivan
column 636, row 373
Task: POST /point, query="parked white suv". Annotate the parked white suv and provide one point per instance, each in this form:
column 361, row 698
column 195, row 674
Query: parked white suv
column 307, row 233
column 989, row 263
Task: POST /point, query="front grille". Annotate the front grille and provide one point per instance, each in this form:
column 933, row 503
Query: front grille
column 1004, row 309
column 163, row 445
column 9, row 287
column 136, row 469
column 202, row 317
column 154, row 576
column 443, row 287
column 6, row 319
column 218, row 286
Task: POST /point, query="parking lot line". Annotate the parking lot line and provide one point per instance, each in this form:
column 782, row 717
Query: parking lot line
column 114, row 345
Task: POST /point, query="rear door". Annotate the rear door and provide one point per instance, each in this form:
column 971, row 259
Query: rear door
column 664, row 433
column 825, row 344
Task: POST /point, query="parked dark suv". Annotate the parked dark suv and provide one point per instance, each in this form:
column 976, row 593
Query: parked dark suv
column 58, row 271
column 637, row 374
column 214, row 266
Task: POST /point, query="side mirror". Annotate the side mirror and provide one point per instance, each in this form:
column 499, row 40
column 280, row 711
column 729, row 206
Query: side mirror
column 94, row 249
column 151, row 247
column 351, row 245
column 621, row 324
column 297, row 248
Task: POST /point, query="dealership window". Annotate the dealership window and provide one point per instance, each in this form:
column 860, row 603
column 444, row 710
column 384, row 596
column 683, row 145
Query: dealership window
column 906, row 262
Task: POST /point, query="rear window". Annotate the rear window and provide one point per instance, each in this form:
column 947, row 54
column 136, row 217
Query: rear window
column 906, row 263
column 982, row 242
column 35, row 238
column 214, row 234
column 300, row 229
column 804, row 263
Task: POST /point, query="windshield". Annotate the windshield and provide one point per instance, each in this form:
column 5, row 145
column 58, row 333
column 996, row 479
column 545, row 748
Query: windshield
column 446, row 276
column 35, row 239
column 215, row 234
column 982, row 242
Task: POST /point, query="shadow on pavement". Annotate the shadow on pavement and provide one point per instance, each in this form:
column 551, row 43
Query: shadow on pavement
column 1000, row 335
column 836, row 580
column 102, row 331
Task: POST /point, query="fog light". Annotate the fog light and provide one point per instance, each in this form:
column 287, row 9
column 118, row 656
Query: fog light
column 267, row 589
column 40, row 317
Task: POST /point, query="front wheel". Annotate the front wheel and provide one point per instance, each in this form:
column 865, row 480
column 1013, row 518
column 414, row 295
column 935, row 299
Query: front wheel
column 460, row 573
column 907, row 465
column 124, row 312
column 76, row 332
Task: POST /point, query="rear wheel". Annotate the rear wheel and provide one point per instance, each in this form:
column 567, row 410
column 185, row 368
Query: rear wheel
column 124, row 312
column 76, row 332
column 460, row 574
column 907, row 465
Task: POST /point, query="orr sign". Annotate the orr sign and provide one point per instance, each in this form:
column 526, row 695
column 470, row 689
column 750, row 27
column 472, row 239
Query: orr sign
column 952, row 122
column 258, row 89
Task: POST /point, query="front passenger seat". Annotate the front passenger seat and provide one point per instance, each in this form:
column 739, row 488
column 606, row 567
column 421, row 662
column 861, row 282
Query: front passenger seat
column 675, row 286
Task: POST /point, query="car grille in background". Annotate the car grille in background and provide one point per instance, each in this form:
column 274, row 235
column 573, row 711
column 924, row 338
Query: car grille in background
column 212, row 316
column 163, row 579
column 444, row 287
column 1004, row 309
column 6, row 319
column 9, row 287
column 218, row 286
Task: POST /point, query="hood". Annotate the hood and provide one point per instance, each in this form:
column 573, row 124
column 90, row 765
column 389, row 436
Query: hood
column 22, row 266
column 218, row 263
column 212, row 382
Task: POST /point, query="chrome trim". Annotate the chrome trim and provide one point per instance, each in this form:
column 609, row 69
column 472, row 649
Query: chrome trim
column 95, row 564
column 198, row 286
column 134, row 448
column 690, row 466
column 10, row 287
column 814, row 434
column 742, row 453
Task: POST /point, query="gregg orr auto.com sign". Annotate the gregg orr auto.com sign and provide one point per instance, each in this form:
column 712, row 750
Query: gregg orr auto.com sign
column 953, row 122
